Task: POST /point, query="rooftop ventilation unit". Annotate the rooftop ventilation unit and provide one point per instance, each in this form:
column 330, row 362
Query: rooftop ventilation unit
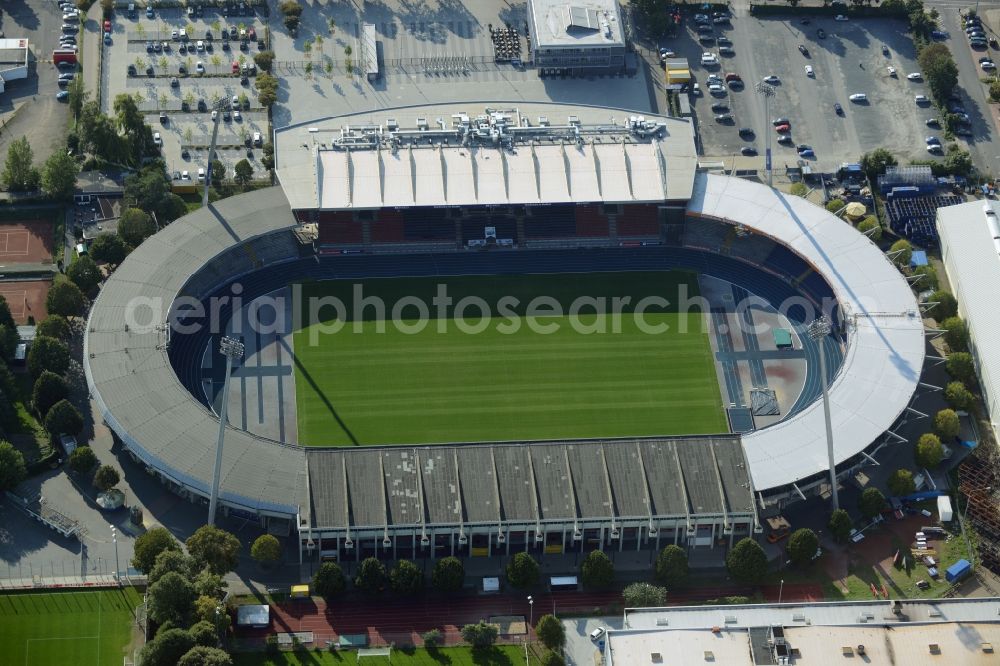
column 662, row 622
column 934, row 648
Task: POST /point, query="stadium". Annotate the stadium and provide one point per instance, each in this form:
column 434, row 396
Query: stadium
column 391, row 425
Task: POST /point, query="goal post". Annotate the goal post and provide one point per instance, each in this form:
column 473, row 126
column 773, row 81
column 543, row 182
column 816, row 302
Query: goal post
column 380, row 655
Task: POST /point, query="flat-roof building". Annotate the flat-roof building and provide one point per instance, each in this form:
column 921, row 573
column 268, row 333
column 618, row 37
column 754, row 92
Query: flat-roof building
column 13, row 61
column 577, row 36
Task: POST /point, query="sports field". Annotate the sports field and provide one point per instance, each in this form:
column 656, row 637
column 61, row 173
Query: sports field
column 517, row 374
column 59, row 628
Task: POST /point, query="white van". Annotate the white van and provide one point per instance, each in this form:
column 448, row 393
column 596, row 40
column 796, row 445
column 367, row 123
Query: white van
column 597, row 633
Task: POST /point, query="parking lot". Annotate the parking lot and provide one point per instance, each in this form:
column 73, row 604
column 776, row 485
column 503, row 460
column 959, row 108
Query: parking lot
column 179, row 67
column 853, row 57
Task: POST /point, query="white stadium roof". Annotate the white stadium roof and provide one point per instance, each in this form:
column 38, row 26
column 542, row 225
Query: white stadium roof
column 495, row 155
column 885, row 348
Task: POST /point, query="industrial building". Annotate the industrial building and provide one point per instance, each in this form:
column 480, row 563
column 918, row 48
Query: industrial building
column 13, row 61
column 575, row 37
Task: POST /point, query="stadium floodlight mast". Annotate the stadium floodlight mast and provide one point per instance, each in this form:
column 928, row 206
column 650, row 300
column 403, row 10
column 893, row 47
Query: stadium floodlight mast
column 114, row 537
column 230, row 348
column 819, row 329
column 767, row 92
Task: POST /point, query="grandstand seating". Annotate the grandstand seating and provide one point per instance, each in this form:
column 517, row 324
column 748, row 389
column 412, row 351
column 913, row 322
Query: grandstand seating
column 387, row 227
column 913, row 217
column 425, row 224
column 338, row 228
column 555, row 221
column 705, row 233
column 638, row 220
column 474, row 228
column 591, row 221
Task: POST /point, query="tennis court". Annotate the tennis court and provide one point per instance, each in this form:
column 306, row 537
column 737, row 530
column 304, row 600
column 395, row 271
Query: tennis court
column 92, row 627
column 26, row 298
column 25, row 242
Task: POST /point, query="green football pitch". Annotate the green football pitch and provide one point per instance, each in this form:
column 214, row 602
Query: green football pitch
column 57, row 628
column 383, row 378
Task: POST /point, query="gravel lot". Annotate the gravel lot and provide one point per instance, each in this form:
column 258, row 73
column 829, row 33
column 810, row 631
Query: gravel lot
column 848, row 60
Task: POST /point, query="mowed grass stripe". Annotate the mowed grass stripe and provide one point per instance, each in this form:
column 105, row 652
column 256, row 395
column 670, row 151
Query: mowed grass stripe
column 396, row 388
column 90, row 627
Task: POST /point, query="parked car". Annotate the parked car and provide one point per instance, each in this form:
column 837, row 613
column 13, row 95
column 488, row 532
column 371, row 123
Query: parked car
column 858, row 97
column 931, row 140
column 748, row 151
column 724, row 118
column 746, row 132
column 781, row 121
column 62, row 95
column 838, row 109
column 157, row 140
column 807, row 153
column 809, row 71
column 719, row 107
column 772, row 79
column 921, row 99
column 988, row 65
column 932, row 122
column 892, row 71
column 915, row 76
column 149, row 11
column 199, row 67
column 783, row 128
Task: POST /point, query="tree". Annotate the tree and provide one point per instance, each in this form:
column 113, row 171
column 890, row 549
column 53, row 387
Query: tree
column 958, row 162
column 150, row 544
column 134, row 226
column 209, row 609
column 406, row 578
column 59, row 175
column 834, row 205
column 6, row 319
column 292, row 23
column 132, row 124
column 448, row 575
column 371, row 576
column 214, row 548
column 19, row 173
column 956, row 334
column 218, row 173
column 802, row 546
column 959, row 365
column 672, row 566
column 746, row 562
column 947, row 306
column 54, row 326
column 839, row 525
column 939, row 69
column 905, row 250
column 480, row 635
column 432, row 638
column 170, row 599
column 871, row 503
column 201, row 655
column 644, row 595
column 63, row 419
column 108, row 249
column 82, row 460
column 167, row 561
column 946, row 424
column 901, row 483
column 930, row 278
column 550, row 631
column 597, row 570
column 167, row 648
column 522, row 570
column 552, row 658
column 150, row 188
column 65, row 298
column 106, row 477
column 266, row 549
column 204, row 633
column 928, row 452
column 264, row 60
column 267, row 89
column 243, row 173
column 871, row 224
column 209, row 584
column 12, row 468
column 959, row 397
column 84, row 273
column 329, row 581
column 8, row 342
column 876, row 162
column 49, row 389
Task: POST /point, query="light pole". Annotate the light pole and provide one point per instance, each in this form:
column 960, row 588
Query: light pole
column 531, row 611
column 230, row 348
column 767, row 92
column 818, row 330
column 781, row 588
column 114, row 537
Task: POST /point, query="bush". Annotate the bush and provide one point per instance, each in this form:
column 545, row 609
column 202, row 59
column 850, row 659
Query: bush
column 63, row 419
column 329, row 581
column 480, row 635
column 48, row 354
column 82, row 460
column 12, row 467
column 522, row 570
column 802, row 546
column 644, row 595
column 672, row 566
column 798, row 189
column 432, row 638
column 150, row 544
column 448, row 575
column 930, row 278
column 947, row 305
column 958, row 396
column 550, row 632
column 266, row 549
column 371, row 576
column 406, row 578
column 871, row 503
column 956, row 334
column 868, row 224
column 928, row 452
column 106, row 477
column 746, row 562
column 49, row 389
column 946, row 424
column 597, row 571
column 901, row 483
column 959, row 365
column 840, row 525
column 905, row 250
column 834, row 205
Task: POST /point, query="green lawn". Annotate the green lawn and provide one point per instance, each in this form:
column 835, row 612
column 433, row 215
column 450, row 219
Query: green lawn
column 79, row 628
column 501, row 655
column 372, row 383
